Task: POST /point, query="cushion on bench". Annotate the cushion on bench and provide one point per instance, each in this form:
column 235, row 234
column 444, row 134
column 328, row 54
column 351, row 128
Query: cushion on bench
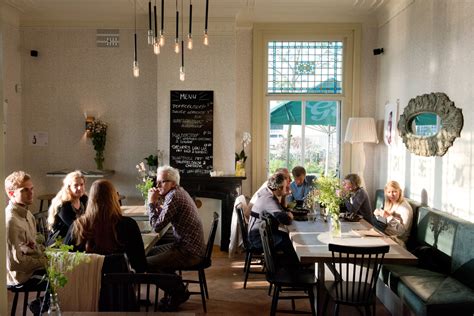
column 442, row 283
column 435, row 295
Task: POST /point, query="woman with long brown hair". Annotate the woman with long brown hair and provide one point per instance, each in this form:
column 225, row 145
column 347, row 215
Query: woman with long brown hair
column 103, row 230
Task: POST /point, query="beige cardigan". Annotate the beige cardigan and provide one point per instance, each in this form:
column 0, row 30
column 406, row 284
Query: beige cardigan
column 22, row 260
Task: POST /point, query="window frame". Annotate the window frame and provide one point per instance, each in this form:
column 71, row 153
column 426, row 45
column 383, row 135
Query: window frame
column 350, row 35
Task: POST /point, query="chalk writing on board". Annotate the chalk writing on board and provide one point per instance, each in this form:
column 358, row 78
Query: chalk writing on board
column 191, row 131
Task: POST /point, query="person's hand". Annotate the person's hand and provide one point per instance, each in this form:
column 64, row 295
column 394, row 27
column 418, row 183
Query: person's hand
column 290, row 215
column 378, row 212
column 153, row 195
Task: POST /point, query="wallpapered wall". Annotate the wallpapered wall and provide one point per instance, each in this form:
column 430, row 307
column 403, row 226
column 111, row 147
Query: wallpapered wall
column 71, row 76
column 429, row 48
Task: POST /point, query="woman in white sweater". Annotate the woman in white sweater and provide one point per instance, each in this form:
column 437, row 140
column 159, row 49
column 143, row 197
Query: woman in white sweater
column 397, row 212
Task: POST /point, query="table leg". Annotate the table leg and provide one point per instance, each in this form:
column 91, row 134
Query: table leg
column 320, row 289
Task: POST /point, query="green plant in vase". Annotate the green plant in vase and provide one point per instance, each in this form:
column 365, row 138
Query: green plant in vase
column 147, row 172
column 59, row 261
column 328, row 194
column 98, row 133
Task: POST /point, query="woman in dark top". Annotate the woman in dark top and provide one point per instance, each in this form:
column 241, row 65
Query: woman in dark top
column 103, row 230
column 357, row 200
column 70, row 202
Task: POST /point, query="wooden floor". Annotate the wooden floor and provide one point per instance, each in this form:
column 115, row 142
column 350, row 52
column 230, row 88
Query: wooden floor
column 227, row 296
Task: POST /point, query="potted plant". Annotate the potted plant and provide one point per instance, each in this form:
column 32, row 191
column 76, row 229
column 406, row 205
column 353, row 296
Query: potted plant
column 328, row 194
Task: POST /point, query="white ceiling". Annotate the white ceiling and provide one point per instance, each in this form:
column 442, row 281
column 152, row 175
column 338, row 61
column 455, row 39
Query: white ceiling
column 120, row 12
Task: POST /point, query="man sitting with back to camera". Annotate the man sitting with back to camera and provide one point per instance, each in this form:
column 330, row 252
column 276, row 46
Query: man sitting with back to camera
column 269, row 202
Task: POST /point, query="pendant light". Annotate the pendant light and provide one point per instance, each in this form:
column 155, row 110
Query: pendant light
column 156, row 44
column 151, row 37
column 136, row 69
column 182, row 74
column 190, row 34
column 162, row 28
column 206, row 37
column 176, row 39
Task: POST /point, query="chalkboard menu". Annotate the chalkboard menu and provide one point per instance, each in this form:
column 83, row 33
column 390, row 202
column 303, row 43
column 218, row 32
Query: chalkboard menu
column 191, row 131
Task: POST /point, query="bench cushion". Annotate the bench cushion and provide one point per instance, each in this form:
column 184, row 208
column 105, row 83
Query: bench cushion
column 435, row 295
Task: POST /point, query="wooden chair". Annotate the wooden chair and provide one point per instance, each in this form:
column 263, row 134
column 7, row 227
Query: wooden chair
column 25, row 289
column 251, row 252
column 145, row 288
column 356, row 270
column 204, row 264
column 286, row 280
column 45, row 197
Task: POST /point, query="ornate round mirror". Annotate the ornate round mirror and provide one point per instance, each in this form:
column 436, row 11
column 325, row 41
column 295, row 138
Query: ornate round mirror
column 429, row 124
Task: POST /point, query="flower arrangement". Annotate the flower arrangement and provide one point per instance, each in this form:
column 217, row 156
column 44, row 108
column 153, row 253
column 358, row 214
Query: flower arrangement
column 246, row 139
column 328, row 194
column 147, row 172
column 98, row 133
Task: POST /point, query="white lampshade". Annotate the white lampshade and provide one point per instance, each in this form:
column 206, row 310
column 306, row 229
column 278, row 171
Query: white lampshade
column 361, row 130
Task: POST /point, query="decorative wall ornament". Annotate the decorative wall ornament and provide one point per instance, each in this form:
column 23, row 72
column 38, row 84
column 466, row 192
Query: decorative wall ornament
column 429, row 124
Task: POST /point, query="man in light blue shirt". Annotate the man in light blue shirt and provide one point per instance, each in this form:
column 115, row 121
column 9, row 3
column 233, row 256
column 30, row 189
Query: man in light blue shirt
column 301, row 186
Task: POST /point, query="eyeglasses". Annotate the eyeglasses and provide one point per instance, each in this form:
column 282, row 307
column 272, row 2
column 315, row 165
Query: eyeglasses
column 158, row 183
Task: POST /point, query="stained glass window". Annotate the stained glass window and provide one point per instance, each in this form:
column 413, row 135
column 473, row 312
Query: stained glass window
column 305, row 67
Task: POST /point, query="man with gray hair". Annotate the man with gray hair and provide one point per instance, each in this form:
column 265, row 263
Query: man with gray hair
column 269, row 202
column 170, row 203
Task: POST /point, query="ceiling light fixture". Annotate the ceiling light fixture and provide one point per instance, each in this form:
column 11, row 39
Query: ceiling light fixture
column 162, row 29
column 151, row 37
column 176, row 39
column 156, row 44
column 136, row 70
column 182, row 74
column 190, row 34
column 206, row 36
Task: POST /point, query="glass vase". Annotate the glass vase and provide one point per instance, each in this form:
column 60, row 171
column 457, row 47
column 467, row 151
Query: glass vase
column 54, row 309
column 99, row 160
column 335, row 225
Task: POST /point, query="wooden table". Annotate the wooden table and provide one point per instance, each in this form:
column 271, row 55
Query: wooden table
column 311, row 239
column 138, row 213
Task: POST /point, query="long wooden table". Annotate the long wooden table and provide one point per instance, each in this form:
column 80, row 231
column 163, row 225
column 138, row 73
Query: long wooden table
column 138, row 213
column 310, row 240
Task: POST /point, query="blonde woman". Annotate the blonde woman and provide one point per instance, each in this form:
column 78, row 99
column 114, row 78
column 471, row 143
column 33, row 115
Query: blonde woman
column 397, row 213
column 69, row 203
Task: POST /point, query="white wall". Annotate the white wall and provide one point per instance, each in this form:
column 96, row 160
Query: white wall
column 429, row 48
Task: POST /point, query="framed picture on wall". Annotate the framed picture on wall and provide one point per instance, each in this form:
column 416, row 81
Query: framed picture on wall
column 390, row 124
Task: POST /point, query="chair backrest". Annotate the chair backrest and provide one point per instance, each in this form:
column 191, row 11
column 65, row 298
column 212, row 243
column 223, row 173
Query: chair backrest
column 356, row 271
column 41, row 219
column 145, row 287
column 111, row 298
column 243, row 226
column 268, row 249
column 212, row 237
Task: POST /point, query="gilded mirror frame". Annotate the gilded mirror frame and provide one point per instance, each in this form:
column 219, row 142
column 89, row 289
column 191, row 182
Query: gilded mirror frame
column 451, row 120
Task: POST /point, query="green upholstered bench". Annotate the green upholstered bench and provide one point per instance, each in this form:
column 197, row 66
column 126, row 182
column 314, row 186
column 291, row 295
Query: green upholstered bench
column 443, row 281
